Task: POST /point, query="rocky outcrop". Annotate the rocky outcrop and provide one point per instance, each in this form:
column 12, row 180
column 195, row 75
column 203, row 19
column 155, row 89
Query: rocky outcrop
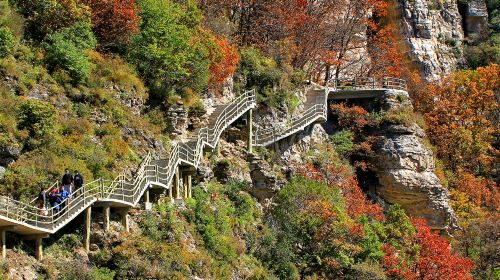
column 265, row 182
column 8, row 155
column 434, row 34
column 177, row 118
column 476, row 17
column 405, row 170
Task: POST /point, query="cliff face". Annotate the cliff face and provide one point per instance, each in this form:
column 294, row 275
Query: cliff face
column 405, row 170
column 434, row 34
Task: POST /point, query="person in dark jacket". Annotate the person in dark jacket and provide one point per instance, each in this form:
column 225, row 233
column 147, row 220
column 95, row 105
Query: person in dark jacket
column 77, row 182
column 67, row 180
column 41, row 202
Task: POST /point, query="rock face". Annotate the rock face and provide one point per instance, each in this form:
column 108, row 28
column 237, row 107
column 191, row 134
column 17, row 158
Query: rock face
column 405, row 170
column 476, row 17
column 177, row 118
column 8, row 155
column 264, row 180
column 434, row 34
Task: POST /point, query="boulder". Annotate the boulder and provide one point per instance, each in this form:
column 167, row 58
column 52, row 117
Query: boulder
column 8, row 155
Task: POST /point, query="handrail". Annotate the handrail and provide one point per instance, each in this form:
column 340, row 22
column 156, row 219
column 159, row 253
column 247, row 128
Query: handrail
column 317, row 110
column 129, row 190
column 367, row 83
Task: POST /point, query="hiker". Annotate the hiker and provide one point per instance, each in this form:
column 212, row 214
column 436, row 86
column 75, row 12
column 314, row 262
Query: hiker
column 41, row 202
column 53, row 201
column 62, row 199
column 77, row 182
column 67, row 180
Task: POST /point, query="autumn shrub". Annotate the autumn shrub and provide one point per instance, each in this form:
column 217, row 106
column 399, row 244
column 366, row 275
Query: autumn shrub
column 37, row 117
column 114, row 22
column 224, row 60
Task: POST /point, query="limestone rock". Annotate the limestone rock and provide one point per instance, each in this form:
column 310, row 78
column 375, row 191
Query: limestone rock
column 476, row 17
column 434, row 34
column 265, row 182
column 2, row 172
column 405, row 170
column 177, row 118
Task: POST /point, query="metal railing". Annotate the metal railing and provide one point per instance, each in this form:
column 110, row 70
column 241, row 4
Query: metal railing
column 129, row 190
column 123, row 189
column 316, row 111
column 368, row 83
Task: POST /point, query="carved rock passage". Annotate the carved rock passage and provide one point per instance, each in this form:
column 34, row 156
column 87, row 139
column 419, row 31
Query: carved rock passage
column 405, row 169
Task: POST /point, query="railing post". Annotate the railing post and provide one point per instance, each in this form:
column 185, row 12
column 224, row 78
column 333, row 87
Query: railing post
column 156, row 172
column 101, row 185
column 249, row 130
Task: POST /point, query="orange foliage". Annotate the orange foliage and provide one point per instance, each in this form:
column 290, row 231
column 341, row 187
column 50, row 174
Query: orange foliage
column 385, row 56
column 460, row 114
column 480, row 191
column 223, row 64
column 113, row 21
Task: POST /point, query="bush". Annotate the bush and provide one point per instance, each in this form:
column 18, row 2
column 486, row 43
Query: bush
column 37, row 117
column 63, row 54
column 170, row 52
column 275, row 84
column 342, row 141
column 66, row 51
column 7, row 42
column 47, row 16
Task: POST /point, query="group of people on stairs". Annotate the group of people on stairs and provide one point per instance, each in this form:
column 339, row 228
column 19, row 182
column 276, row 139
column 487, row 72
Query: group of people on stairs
column 56, row 199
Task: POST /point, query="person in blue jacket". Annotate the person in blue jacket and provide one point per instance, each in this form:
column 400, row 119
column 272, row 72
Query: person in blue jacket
column 62, row 199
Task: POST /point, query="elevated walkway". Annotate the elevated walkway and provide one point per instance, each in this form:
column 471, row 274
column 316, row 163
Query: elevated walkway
column 164, row 173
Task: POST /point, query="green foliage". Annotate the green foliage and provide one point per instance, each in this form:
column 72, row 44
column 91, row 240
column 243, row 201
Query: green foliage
column 343, row 143
column 401, row 116
column 169, row 52
column 483, row 53
column 66, row 51
column 7, row 41
column 47, row 16
column 275, row 84
column 37, row 117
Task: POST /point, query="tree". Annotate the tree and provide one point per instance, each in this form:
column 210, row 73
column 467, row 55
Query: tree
column 224, row 60
column 46, row 16
column 114, row 22
column 460, row 113
column 170, row 52
column 436, row 261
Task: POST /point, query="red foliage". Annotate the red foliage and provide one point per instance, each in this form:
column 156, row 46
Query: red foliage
column 434, row 260
column 354, row 198
column 385, row 56
column 223, row 64
column 353, row 118
column 113, row 21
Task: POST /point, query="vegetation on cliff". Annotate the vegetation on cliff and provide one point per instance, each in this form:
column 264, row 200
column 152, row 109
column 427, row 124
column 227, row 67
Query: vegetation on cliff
column 86, row 84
